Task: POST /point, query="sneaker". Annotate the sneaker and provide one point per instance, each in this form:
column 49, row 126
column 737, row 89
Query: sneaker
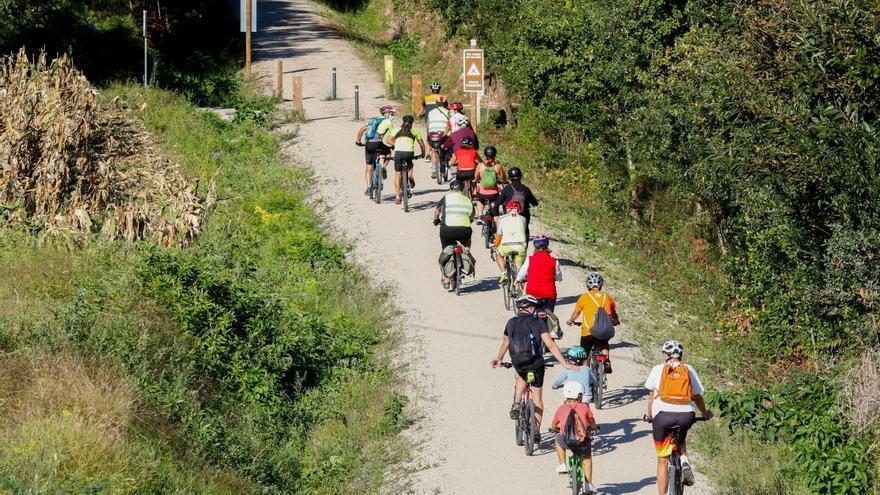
column 687, row 474
column 561, row 469
column 589, row 489
column 537, row 437
column 433, row 172
column 502, row 279
column 384, row 173
column 367, row 191
column 607, row 367
column 479, row 221
column 514, row 411
column 397, row 200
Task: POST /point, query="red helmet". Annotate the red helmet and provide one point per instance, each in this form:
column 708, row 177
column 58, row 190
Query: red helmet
column 387, row 109
column 512, row 205
column 457, row 106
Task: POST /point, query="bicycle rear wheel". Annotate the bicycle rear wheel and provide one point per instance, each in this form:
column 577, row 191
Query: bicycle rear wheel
column 675, row 482
column 574, row 474
column 404, row 188
column 505, row 291
column 533, row 427
column 377, row 182
column 520, row 426
column 600, row 387
column 458, row 275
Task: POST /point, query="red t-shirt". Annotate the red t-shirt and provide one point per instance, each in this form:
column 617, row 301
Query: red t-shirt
column 582, row 410
column 467, row 159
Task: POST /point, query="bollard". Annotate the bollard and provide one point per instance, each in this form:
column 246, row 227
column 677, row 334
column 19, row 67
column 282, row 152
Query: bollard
column 333, row 85
column 279, row 70
column 357, row 102
column 145, row 49
column 298, row 94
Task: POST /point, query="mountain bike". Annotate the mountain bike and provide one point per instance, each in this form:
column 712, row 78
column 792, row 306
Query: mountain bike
column 510, row 289
column 674, row 479
column 525, row 424
column 575, row 463
column 377, row 178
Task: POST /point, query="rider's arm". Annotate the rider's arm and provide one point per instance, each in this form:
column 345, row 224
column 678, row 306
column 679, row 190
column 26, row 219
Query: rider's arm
column 501, row 351
column 360, row 135
column 502, row 174
column 651, row 395
column 558, row 271
column 701, row 405
column 615, row 320
column 530, row 197
column 523, row 272
column 574, row 314
column 551, row 346
column 453, row 160
column 560, row 380
column 422, row 147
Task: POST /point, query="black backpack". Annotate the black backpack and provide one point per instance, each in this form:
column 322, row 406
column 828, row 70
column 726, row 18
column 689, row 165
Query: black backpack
column 576, row 434
column 602, row 328
column 523, row 346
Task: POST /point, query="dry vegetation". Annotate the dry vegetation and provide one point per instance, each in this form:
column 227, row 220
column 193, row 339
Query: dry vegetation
column 861, row 392
column 74, row 168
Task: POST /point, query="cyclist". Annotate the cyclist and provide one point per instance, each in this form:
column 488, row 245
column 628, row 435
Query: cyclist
column 673, row 399
column 527, row 327
column 587, row 304
column 430, row 101
column 585, row 376
column 404, row 139
column 438, row 124
column 375, row 130
column 573, row 392
column 454, row 214
column 460, row 130
column 540, row 273
column 465, row 159
column 516, row 191
column 510, row 238
column 487, row 177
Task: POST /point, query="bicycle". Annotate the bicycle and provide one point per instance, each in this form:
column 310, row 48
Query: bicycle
column 674, row 479
column 459, row 268
column 510, row 289
column 575, row 463
column 439, row 160
column 377, row 176
column 525, row 425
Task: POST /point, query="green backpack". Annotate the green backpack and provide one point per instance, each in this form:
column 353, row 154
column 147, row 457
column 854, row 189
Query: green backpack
column 490, row 178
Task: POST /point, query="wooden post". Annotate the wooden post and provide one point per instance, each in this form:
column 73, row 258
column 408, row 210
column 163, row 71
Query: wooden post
column 416, row 94
column 298, row 94
column 475, row 110
column 247, row 39
column 279, row 70
column 389, row 75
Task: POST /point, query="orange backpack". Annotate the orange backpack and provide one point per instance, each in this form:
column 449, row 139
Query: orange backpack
column 675, row 384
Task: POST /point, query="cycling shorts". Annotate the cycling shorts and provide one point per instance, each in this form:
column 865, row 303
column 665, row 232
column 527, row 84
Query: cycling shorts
column 519, row 249
column 372, row 147
column 402, row 158
column 662, row 429
column 487, row 199
column 538, row 382
column 585, row 451
column 464, row 175
column 588, row 341
column 448, row 235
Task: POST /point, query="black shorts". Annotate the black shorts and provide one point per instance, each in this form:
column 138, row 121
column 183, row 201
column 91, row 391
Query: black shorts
column 448, row 235
column 587, row 342
column 538, row 382
column 548, row 304
column 401, row 158
column 487, row 199
column 372, row 147
column 585, row 451
column 464, row 175
column 661, row 427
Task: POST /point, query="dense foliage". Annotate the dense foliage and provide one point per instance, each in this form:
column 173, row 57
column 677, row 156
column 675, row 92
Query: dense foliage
column 194, row 44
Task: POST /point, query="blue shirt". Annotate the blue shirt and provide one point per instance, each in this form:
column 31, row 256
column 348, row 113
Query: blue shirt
column 584, row 376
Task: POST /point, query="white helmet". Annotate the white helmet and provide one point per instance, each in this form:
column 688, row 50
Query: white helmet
column 460, row 120
column 673, row 348
column 572, row 389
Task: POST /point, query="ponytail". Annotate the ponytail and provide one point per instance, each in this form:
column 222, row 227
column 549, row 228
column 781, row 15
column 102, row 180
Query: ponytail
column 405, row 131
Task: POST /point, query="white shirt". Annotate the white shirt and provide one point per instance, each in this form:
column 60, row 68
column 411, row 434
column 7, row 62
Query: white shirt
column 512, row 228
column 653, row 383
column 523, row 272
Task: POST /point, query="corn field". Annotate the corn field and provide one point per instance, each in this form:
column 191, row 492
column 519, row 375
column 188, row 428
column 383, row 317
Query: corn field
column 76, row 169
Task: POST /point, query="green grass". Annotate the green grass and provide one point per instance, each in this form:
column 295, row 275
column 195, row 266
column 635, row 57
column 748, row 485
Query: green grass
column 253, row 361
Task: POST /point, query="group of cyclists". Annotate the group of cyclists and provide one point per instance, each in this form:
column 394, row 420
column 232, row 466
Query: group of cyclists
column 482, row 190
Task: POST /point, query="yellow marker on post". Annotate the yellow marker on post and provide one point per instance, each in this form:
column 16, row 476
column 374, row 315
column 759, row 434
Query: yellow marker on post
column 389, row 74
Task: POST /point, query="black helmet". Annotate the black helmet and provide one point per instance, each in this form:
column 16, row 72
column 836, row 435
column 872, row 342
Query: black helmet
column 408, row 119
column 467, row 141
column 515, row 173
column 454, row 185
column 490, row 151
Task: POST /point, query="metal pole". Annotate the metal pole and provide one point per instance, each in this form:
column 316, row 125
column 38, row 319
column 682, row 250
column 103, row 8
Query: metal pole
column 333, row 85
column 357, row 102
column 145, row 48
column 247, row 39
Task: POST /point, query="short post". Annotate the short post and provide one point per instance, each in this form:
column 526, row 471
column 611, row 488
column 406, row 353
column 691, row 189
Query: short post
column 474, row 109
column 298, row 94
column 416, row 93
column 279, row 71
column 389, row 75
column 145, row 48
column 247, row 39
column 357, row 102
column 333, row 84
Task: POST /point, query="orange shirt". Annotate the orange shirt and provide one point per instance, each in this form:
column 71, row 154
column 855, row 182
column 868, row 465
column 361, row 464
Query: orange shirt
column 467, row 159
column 589, row 303
column 582, row 410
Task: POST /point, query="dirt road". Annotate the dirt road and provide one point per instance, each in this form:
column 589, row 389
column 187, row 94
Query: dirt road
column 464, row 434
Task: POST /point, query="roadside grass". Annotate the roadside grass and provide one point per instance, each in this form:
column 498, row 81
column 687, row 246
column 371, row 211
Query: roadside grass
column 254, row 361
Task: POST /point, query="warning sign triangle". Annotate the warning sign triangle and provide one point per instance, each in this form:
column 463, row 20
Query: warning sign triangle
column 474, row 70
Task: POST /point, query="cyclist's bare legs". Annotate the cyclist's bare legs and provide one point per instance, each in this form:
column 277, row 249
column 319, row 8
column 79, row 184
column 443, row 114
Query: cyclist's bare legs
column 520, row 388
column 368, row 175
column 538, row 397
column 397, row 177
column 587, row 466
column 560, row 452
column 480, row 208
column 662, row 480
column 501, row 262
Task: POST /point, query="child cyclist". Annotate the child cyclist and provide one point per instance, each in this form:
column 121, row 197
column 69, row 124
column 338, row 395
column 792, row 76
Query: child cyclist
column 576, row 355
column 574, row 393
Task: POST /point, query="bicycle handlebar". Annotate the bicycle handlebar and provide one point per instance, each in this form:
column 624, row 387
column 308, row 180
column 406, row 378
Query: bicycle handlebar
column 510, row 365
column 646, row 419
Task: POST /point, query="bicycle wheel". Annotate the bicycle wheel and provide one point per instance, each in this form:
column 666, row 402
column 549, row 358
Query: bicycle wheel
column 404, row 188
column 600, row 387
column 533, row 427
column 675, row 483
column 377, row 182
column 486, row 234
column 519, row 426
column 574, row 475
column 458, row 275
column 505, row 291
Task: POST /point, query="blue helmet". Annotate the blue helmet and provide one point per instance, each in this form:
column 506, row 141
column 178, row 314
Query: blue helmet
column 541, row 241
column 576, row 353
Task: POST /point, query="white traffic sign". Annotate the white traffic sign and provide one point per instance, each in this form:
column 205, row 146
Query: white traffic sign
column 253, row 15
column 473, row 66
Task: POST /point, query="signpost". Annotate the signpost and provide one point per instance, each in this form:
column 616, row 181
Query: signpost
column 145, row 49
column 474, row 68
column 248, row 26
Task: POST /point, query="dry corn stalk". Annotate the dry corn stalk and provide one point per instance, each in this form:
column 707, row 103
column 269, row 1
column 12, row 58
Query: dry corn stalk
column 75, row 169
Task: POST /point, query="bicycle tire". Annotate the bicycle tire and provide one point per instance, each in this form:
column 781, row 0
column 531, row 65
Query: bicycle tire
column 404, row 188
column 600, row 387
column 674, row 480
column 575, row 476
column 533, row 427
column 377, row 182
column 457, row 275
column 519, row 426
column 505, row 292
column 486, row 234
